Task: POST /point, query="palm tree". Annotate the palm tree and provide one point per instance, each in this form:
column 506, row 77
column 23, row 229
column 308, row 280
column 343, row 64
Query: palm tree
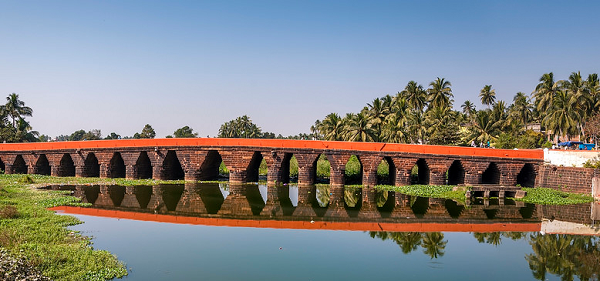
column 377, row 111
column 16, row 108
column 332, row 127
column 468, row 109
column 562, row 118
column 545, row 91
column 359, row 128
column 592, row 85
column 484, row 127
column 522, row 108
column 487, row 95
column 440, row 93
column 433, row 244
column 415, row 95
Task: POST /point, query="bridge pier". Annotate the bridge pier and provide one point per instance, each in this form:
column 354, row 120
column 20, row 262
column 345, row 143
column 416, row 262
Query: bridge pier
column 307, row 166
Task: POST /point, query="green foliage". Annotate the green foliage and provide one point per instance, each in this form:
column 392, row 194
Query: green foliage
column 223, row 169
column 548, row 196
column 433, row 191
column 83, row 135
column 592, row 163
column 147, row 133
column 323, row 167
column 241, row 127
column 185, row 132
column 353, row 170
column 28, row 229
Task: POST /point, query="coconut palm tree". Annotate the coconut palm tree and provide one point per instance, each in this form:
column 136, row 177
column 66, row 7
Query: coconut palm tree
column 487, row 95
column 415, row 96
column 545, row 91
column 377, row 111
column 440, row 93
column 433, row 244
column 521, row 108
column 359, row 128
column 562, row 118
column 593, row 88
column 468, row 108
column 15, row 109
column 332, row 127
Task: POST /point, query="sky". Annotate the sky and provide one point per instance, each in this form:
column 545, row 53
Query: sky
column 117, row 65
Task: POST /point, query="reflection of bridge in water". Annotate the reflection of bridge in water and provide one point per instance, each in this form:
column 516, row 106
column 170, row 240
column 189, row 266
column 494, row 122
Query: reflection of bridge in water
column 306, row 207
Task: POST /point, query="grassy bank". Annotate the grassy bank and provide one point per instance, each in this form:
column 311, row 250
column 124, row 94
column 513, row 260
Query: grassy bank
column 548, row 196
column 28, row 230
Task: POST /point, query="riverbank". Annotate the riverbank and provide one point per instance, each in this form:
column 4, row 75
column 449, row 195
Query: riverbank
column 37, row 238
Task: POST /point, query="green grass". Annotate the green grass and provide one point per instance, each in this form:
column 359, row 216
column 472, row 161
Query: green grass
column 548, row 196
column 30, row 231
column 433, row 191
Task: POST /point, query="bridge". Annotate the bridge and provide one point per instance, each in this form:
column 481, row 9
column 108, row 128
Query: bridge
column 199, row 159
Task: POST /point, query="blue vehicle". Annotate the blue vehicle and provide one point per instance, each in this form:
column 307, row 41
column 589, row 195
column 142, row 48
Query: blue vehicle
column 586, row 146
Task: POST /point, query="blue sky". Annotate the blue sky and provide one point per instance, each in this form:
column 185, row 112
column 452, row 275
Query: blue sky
column 118, row 65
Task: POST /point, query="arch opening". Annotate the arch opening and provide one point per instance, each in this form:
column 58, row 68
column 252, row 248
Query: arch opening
column 321, row 169
column 116, row 168
column 2, row 167
column 352, row 197
column 526, row 176
column 420, row 173
column 91, row 168
column 456, row 173
column 353, row 172
column 19, row 166
column 212, row 167
column 386, row 171
column 66, row 167
column 289, row 168
column 42, row 166
column 491, row 175
column 254, row 167
column 144, row 166
column 172, row 169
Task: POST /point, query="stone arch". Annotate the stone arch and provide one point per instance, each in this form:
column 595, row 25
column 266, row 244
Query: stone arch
column 19, row 166
column 42, row 166
column 526, row 176
column 66, row 168
column 491, row 175
column 421, row 175
column 116, row 167
column 116, row 194
column 321, row 175
column 252, row 172
column 2, row 167
column 391, row 177
column 91, row 168
column 353, row 171
column 456, row 173
column 144, row 166
column 285, row 170
column 172, row 169
column 209, row 170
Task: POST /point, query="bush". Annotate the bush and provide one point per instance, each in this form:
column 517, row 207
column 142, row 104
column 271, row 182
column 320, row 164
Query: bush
column 592, row 163
column 9, row 212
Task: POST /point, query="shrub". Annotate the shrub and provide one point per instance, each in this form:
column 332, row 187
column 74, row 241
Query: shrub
column 9, row 212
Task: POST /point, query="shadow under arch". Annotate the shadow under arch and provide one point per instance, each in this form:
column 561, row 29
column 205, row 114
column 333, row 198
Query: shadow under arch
column 456, row 173
column 209, row 170
column 19, row 166
column 2, row 166
column 91, row 168
column 144, row 166
column 526, row 176
column 252, row 172
column 66, row 167
column 116, row 167
column 420, row 173
column 171, row 167
column 42, row 166
column 491, row 175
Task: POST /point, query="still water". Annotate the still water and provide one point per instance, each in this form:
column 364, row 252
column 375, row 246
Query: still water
column 255, row 232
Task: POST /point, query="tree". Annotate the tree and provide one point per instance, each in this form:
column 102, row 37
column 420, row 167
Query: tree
column 440, row 93
column 241, row 127
column 562, row 117
column 77, row 135
column 147, row 133
column 15, row 109
column 332, row 127
column 487, row 95
column 113, row 136
column 468, row 109
column 185, row 132
column 415, row 96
